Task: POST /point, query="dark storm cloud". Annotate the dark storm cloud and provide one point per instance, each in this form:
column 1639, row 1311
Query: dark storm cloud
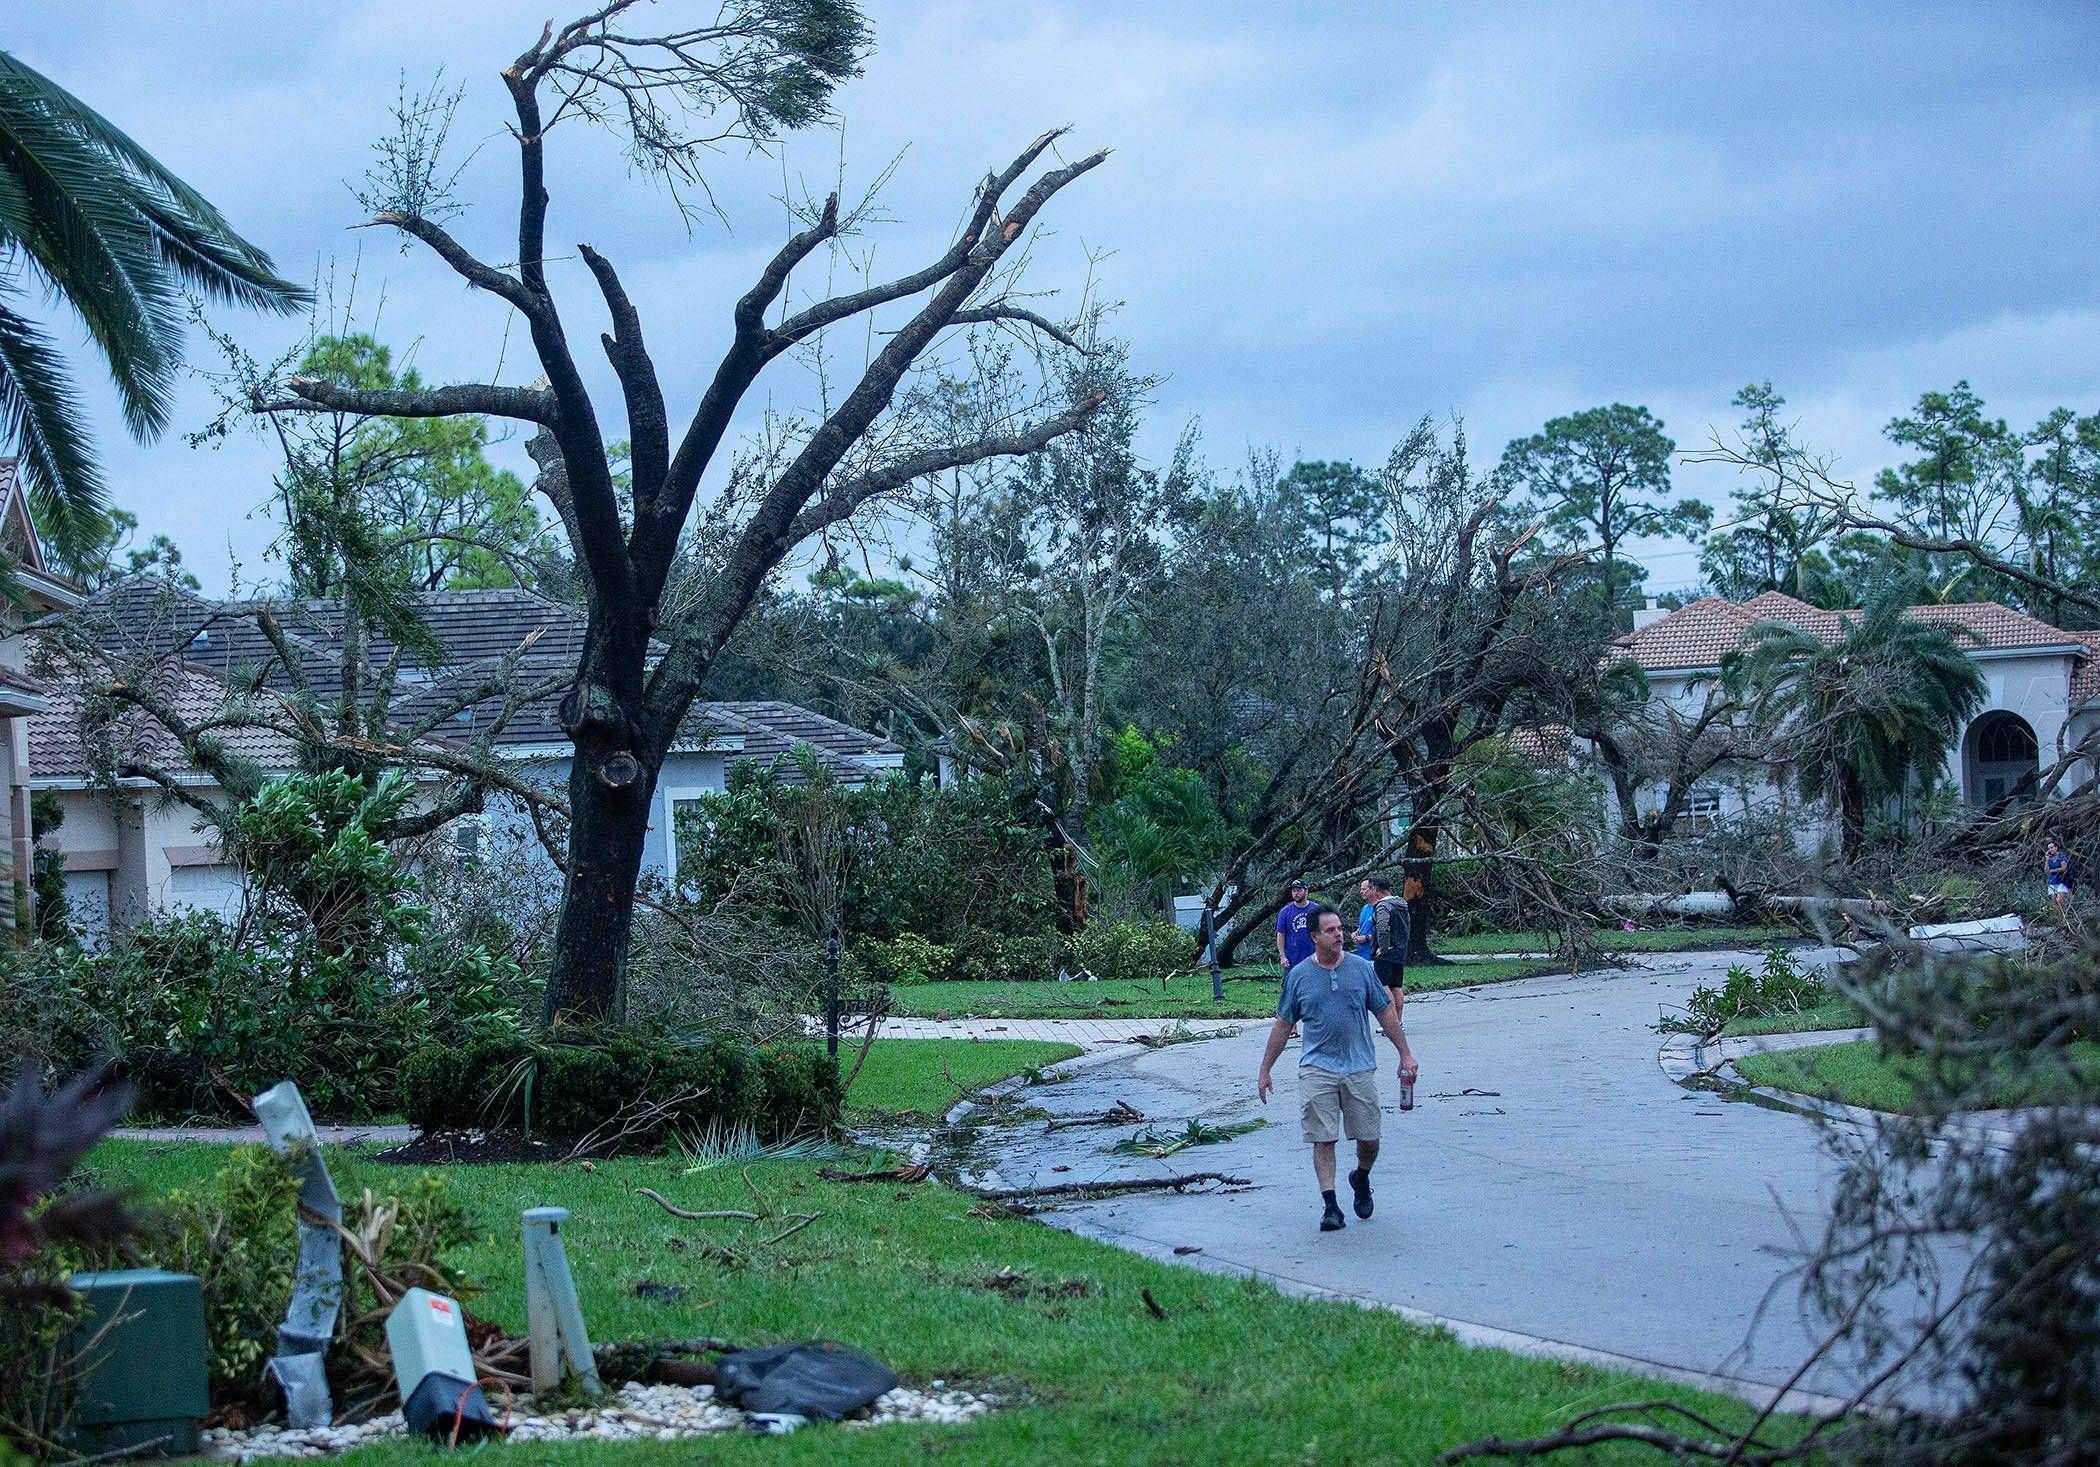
column 1323, row 220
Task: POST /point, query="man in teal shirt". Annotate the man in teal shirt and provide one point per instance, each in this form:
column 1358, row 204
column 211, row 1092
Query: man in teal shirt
column 1334, row 995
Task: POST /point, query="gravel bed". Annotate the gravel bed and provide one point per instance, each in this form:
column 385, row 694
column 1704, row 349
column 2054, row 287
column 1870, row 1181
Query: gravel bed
column 634, row 1412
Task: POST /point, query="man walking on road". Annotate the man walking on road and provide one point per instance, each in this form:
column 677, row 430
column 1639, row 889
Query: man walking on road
column 1332, row 994
column 1294, row 942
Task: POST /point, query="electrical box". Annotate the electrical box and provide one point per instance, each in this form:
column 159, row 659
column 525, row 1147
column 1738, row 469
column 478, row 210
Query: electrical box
column 434, row 1366
column 139, row 1371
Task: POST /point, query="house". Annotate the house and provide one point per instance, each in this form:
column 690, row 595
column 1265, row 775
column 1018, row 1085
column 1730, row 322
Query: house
column 2042, row 701
column 130, row 850
column 38, row 592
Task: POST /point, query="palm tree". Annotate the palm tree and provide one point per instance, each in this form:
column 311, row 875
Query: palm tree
column 1864, row 714
column 94, row 220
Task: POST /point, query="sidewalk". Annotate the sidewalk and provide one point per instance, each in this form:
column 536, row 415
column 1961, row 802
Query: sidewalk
column 253, row 1135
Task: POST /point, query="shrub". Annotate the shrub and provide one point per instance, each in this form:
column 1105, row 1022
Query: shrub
column 238, row 1234
column 1782, row 986
column 201, row 1018
column 905, row 958
column 642, row 1086
column 936, row 861
column 1133, row 949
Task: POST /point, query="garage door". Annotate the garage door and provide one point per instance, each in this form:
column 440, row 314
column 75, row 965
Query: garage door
column 206, row 889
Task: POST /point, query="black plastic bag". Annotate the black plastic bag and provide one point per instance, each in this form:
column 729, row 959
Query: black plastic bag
column 816, row 1379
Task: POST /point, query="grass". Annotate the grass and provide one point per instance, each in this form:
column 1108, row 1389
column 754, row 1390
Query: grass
column 1185, row 997
column 1611, row 939
column 1862, row 1073
column 1832, row 1013
column 1250, row 988
column 926, row 1077
column 1236, row 1372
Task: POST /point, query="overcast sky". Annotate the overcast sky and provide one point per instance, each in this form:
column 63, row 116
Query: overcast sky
column 1325, row 220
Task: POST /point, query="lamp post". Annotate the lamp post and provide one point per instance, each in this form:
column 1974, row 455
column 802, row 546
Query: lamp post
column 831, row 995
column 1210, row 953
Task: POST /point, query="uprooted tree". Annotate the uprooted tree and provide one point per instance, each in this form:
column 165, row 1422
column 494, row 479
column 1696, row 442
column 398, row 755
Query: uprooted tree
column 753, row 70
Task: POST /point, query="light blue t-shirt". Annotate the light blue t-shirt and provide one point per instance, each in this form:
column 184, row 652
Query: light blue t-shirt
column 1363, row 931
column 1332, row 1009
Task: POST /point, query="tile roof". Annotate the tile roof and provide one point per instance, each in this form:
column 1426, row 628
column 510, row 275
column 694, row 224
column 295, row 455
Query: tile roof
column 1699, row 634
column 61, row 738
column 1694, row 635
column 144, row 617
column 2085, row 678
column 21, row 682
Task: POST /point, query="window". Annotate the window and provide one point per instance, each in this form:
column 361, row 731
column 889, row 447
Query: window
column 683, row 808
column 467, row 834
column 1702, row 808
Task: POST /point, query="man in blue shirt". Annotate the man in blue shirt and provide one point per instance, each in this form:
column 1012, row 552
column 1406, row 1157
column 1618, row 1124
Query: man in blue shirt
column 1363, row 917
column 1294, row 943
column 1333, row 994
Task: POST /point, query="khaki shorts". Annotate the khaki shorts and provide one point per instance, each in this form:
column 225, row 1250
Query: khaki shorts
column 1330, row 1104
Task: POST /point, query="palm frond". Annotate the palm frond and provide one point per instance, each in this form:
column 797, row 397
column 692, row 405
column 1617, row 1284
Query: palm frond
column 119, row 238
column 39, row 415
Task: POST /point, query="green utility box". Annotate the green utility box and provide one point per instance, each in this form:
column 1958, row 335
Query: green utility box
column 138, row 1363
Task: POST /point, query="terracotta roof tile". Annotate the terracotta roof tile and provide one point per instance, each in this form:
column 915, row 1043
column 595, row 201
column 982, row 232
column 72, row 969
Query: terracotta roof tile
column 1699, row 634
column 2085, row 678
column 2000, row 627
column 142, row 617
column 59, row 746
column 1694, row 635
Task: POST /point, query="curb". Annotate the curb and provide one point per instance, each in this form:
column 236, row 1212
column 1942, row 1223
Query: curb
column 1698, row 1064
column 1466, row 1332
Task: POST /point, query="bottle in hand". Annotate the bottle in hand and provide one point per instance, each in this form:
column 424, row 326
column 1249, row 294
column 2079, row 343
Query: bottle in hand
column 1407, row 1095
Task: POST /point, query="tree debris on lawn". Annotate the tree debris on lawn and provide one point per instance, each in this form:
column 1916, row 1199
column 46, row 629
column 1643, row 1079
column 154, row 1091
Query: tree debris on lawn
column 1198, row 1132
column 1016, row 1283
column 1122, row 1113
column 1151, row 1304
column 1101, row 1187
column 910, row 1172
column 732, row 1255
column 1179, row 1033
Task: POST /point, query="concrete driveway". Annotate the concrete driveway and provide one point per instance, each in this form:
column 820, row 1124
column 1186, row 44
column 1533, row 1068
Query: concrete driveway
column 1582, row 1205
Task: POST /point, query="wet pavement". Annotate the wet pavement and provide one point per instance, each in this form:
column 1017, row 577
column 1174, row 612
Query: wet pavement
column 1552, row 1190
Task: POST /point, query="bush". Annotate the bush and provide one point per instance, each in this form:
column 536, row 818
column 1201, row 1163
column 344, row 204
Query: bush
column 1780, row 987
column 1133, row 949
column 936, row 861
column 905, row 958
column 643, row 1086
column 238, row 1234
column 201, row 1018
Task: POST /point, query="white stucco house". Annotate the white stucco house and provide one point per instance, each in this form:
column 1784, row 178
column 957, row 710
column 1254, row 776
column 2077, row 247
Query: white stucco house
column 129, row 850
column 22, row 696
column 2042, row 703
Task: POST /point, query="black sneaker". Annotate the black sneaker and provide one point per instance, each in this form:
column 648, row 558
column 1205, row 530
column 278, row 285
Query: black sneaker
column 1360, row 1184
column 1331, row 1219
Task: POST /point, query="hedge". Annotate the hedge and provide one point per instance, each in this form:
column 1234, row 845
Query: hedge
column 656, row 1085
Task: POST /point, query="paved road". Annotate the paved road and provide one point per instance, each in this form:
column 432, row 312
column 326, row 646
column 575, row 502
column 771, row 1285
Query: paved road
column 1588, row 1205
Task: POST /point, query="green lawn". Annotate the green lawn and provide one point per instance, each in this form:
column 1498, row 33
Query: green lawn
column 1835, row 1013
column 1236, row 1372
column 927, row 1076
column 1186, row 997
column 1860, row 1073
column 1611, row 939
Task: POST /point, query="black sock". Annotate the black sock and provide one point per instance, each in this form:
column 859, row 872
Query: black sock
column 1328, row 1197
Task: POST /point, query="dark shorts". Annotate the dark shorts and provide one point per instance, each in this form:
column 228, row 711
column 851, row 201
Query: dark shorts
column 1392, row 972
